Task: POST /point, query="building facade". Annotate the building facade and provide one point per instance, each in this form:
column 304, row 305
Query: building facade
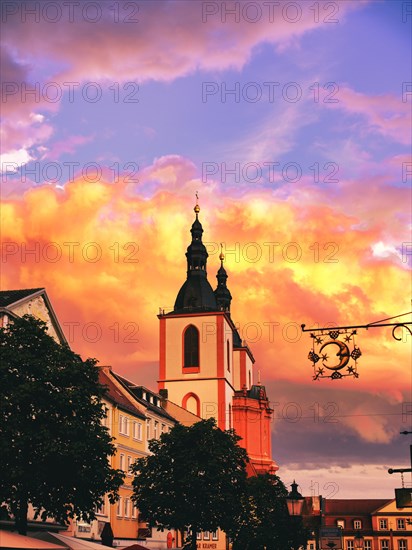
column 350, row 524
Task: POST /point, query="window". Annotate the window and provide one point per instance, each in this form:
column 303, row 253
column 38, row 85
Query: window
column 357, row 524
column 228, row 354
column 105, row 419
column 119, row 507
column 163, row 428
column 198, row 536
column 215, row 535
column 129, row 465
column 340, row 523
column 156, row 430
column 100, row 510
column 134, row 512
column 123, row 425
column 121, row 463
column 137, row 430
column 149, row 429
column 384, row 544
column 350, row 545
column 191, row 403
column 191, row 347
column 383, row 524
column 402, row 544
column 127, row 507
column 367, row 544
column 400, row 524
column 311, row 546
column 206, row 535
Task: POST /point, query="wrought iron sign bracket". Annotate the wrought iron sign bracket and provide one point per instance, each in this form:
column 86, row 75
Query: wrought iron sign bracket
column 326, row 341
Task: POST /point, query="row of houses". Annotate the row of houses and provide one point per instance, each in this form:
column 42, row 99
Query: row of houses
column 350, row 524
column 135, row 415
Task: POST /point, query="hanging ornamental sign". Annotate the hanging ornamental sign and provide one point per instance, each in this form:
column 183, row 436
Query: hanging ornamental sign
column 334, row 354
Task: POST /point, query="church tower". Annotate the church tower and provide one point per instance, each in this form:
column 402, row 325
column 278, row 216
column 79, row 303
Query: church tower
column 204, row 365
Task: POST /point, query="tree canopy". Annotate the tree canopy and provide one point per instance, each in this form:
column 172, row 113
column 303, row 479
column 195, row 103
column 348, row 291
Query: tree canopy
column 193, row 480
column 54, row 449
column 266, row 523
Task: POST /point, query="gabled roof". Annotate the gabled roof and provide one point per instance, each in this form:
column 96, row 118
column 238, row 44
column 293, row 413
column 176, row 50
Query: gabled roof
column 117, row 397
column 353, row 507
column 11, row 297
column 387, row 504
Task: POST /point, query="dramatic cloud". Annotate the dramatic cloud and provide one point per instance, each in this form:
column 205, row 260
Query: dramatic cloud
column 98, row 247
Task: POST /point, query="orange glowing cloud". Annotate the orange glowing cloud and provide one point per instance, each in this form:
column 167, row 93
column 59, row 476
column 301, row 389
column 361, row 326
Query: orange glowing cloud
column 110, row 258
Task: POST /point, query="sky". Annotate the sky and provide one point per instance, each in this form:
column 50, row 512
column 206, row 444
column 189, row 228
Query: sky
column 292, row 121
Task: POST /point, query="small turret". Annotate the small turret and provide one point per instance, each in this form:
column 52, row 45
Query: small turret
column 222, row 293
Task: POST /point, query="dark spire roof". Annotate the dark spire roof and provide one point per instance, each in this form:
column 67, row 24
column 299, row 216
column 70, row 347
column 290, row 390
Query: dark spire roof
column 222, row 293
column 196, row 294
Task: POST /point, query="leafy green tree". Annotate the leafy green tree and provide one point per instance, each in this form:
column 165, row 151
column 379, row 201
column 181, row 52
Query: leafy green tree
column 193, row 480
column 266, row 524
column 54, row 450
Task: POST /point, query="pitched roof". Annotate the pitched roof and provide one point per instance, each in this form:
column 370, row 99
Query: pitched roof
column 14, row 540
column 353, row 507
column 137, row 392
column 9, row 297
column 116, row 396
column 180, row 414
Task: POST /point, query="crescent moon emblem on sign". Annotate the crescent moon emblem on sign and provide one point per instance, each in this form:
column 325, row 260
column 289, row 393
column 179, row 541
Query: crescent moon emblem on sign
column 343, row 354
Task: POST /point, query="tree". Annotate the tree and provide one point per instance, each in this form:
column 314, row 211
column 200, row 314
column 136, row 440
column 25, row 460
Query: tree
column 193, row 480
column 54, row 449
column 266, row 522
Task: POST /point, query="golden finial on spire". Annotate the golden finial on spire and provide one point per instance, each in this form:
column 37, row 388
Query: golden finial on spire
column 197, row 208
column 221, row 255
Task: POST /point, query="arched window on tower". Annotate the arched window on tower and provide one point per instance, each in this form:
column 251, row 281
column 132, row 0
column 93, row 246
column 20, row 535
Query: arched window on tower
column 191, row 403
column 228, row 354
column 191, row 347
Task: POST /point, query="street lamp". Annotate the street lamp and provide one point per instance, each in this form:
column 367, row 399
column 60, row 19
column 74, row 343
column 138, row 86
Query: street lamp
column 295, row 501
column 358, row 540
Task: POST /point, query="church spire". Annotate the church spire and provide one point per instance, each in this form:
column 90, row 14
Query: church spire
column 196, row 293
column 196, row 252
column 222, row 293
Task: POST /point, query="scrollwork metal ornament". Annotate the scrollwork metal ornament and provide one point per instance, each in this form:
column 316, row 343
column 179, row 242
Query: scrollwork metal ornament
column 400, row 326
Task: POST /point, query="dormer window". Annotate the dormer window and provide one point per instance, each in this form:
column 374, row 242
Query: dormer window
column 340, row 523
column 357, row 524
